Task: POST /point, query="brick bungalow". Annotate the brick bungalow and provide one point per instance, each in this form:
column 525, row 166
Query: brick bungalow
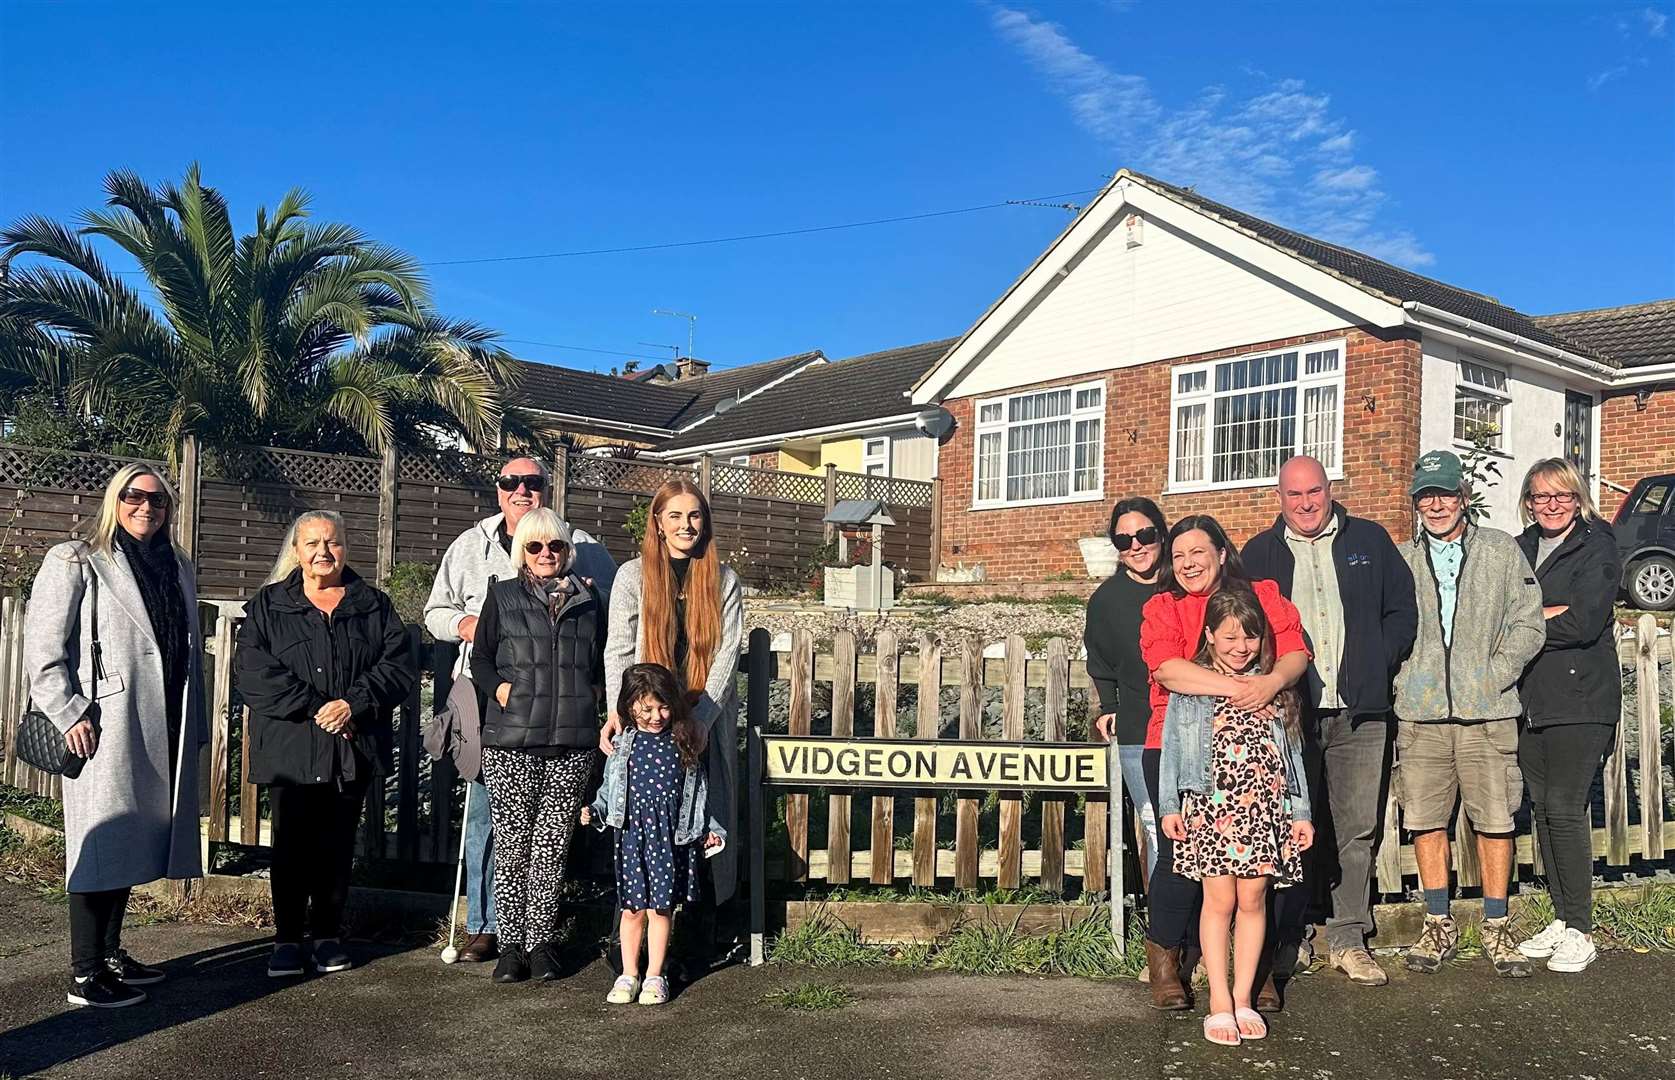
column 1170, row 346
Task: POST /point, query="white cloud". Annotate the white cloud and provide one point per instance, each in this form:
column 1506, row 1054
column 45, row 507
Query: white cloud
column 1278, row 152
column 1656, row 22
column 1599, row 79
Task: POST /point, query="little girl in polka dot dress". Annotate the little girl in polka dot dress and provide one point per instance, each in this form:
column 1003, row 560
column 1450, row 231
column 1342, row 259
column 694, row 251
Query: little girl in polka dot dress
column 656, row 797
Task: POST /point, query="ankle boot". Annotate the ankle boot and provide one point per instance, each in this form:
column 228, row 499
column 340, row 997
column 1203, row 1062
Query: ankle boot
column 1267, row 994
column 1164, row 966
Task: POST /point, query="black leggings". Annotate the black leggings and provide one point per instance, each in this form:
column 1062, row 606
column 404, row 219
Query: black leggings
column 313, row 852
column 1559, row 765
column 1173, row 904
column 95, row 929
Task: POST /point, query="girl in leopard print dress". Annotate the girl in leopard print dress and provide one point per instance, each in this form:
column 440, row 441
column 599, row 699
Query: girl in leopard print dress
column 1233, row 798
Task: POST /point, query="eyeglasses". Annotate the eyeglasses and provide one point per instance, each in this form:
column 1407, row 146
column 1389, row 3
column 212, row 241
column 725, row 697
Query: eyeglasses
column 134, row 496
column 1438, row 498
column 1144, row 537
column 531, row 482
column 534, row 547
column 1556, row 498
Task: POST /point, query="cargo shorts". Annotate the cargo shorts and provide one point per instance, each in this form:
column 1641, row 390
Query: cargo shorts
column 1475, row 763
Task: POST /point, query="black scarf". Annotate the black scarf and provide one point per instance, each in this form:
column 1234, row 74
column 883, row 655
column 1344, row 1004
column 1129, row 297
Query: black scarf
column 157, row 572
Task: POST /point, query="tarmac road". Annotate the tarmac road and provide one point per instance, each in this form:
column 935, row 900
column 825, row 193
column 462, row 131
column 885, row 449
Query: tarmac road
column 403, row 1014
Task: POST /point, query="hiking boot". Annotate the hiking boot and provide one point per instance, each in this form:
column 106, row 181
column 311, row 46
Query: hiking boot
column 1500, row 945
column 102, row 990
column 481, row 947
column 1543, row 944
column 543, row 963
column 1360, row 966
column 1574, row 953
column 1168, row 993
column 513, row 966
column 1437, row 944
column 131, row 971
column 329, row 957
column 285, row 961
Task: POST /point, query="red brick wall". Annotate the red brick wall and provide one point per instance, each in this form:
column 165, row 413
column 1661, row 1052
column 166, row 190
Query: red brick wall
column 1033, row 542
column 1634, row 443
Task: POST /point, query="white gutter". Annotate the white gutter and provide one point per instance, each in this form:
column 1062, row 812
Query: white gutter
column 656, row 432
column 1601, row 371
column 857, row 428
column 1651, row 373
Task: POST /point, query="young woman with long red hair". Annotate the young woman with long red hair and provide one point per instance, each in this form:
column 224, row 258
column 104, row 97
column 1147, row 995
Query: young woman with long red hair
column 677, row 606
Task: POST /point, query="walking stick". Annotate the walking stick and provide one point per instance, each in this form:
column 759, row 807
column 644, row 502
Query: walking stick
column 451, row 954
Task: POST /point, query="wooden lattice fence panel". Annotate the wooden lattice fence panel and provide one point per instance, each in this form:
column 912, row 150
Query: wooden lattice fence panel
column 248, row 500
column 48, row 496
column 438, row 497
column 602, row 492
column 911, row 542
column 767, row 484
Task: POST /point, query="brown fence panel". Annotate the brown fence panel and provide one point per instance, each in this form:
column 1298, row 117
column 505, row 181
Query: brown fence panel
column 248, row 500
column 602, row 492
column 47, row 496
column 911, row 543
column 438, row 497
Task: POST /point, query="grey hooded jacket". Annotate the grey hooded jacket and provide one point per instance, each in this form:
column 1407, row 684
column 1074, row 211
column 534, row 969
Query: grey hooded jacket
column 1498, row 629
column 1187, row 763
column 610, row 806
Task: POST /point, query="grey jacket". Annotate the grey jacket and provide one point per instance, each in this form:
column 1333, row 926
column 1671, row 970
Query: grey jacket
column 1187, row 763
column 610, row 806
column 475, row 556
column 127, row 821
column 1498, row 630
column 717, row 711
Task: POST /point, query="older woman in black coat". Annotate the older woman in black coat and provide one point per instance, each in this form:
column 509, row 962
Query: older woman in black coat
column 322, row 662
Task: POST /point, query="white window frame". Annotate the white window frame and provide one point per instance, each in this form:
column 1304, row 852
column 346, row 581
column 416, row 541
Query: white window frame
column 1206, row 396
column 881, row 458
column 1471, row 388
column 739, row 459
column 1000, row 426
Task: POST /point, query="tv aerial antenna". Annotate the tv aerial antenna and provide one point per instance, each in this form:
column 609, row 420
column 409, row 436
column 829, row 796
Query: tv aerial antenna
column 691, row 326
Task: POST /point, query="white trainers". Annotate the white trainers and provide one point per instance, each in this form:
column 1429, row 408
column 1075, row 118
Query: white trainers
column 1545, row 942
column 1574, row 953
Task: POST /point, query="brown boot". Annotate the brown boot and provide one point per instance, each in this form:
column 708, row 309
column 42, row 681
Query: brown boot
column 1267, row 994
column 481, row 947
column 1165, row 968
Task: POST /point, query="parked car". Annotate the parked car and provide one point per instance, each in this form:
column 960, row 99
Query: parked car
column 1645, row 527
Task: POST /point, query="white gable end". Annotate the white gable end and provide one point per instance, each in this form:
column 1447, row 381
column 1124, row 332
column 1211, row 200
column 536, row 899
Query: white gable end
column 1140, row 295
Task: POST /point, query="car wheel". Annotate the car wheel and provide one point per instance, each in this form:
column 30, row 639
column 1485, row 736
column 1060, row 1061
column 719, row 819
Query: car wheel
column 1651, row 585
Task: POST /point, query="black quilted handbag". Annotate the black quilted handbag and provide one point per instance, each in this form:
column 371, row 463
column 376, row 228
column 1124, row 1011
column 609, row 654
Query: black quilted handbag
column 39, row 742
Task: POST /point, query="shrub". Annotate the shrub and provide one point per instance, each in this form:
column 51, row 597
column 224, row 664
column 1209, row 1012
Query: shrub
column 409, row 587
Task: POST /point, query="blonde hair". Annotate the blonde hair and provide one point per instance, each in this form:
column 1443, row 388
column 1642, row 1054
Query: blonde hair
column 1561, row 474
column 288, row 560
column 101, row 533
column 542, row 524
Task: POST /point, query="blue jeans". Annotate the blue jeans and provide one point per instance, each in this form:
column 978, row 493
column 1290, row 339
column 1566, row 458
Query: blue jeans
column 479, row 862
column 1134, row 786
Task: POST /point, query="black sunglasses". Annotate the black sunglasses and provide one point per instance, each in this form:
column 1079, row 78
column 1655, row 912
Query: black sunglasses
column 1124, row 541
column 134, row 496
column 533, row 547
column 533, row 482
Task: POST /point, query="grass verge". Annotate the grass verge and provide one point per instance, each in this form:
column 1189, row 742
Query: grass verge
column 811, row 997
column 34, row 807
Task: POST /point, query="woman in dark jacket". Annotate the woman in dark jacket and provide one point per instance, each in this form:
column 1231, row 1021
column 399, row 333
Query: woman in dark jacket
column 1572, row 695
column 322, row 662
column 538, row 662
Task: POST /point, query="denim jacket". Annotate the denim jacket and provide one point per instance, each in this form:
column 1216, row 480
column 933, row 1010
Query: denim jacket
column 1188, row 765
column 610, row 806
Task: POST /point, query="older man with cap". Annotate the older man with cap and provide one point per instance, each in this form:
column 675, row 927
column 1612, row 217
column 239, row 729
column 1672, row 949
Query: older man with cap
column 1354, row 593
column 1457, row 706
column 478, row 558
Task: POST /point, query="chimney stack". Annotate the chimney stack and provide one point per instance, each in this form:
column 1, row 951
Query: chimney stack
column 690, row 367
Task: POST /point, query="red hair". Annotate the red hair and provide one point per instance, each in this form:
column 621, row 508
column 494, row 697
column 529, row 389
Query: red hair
column 657, row 591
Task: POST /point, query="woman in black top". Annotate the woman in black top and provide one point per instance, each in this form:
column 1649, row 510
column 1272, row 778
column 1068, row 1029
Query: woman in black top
column 538, row 661
column 1112, row 640
column 1572, row 695
column 322, row 662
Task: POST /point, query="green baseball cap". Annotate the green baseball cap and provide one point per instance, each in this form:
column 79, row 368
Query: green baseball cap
column 1438, row 470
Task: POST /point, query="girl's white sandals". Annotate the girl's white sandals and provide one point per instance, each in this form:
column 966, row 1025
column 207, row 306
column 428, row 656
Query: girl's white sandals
column 655, row 991
column 1250, row 1018
column 1222, row 1029
column 623, row 991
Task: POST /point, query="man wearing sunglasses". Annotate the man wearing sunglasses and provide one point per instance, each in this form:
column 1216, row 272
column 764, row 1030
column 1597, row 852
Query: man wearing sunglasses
column 481, row 556
column 1355, row 594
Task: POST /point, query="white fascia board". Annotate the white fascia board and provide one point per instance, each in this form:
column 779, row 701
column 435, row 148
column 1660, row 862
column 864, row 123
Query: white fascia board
column 857, row 429
column 1651, row 373
column 1359, row 305
column 615, row 425
column 817, row 359
column 1459, row 330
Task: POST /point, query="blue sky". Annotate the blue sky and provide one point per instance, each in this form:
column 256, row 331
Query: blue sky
column 1523, row 150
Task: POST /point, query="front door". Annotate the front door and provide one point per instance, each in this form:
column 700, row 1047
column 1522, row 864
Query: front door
column 1579, row 432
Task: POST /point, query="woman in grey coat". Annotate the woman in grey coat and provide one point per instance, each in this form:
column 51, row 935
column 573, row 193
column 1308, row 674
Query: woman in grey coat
column 678, row 606
column 135, row 711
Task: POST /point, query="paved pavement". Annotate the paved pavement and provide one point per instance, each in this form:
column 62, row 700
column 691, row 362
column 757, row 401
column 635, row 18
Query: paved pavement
column 403, row 1014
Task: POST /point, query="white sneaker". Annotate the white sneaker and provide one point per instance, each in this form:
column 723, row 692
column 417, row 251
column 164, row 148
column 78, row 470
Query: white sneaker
column 1545, row 942
column 1574, row 953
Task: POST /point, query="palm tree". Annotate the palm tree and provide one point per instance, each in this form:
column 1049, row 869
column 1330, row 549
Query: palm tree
column 297, row 334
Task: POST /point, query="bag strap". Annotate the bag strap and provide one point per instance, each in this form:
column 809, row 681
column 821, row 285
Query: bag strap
column 98, row 650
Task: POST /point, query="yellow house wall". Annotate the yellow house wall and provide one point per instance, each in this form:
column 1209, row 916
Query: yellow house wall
column 844, row 453
column 806, row 462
